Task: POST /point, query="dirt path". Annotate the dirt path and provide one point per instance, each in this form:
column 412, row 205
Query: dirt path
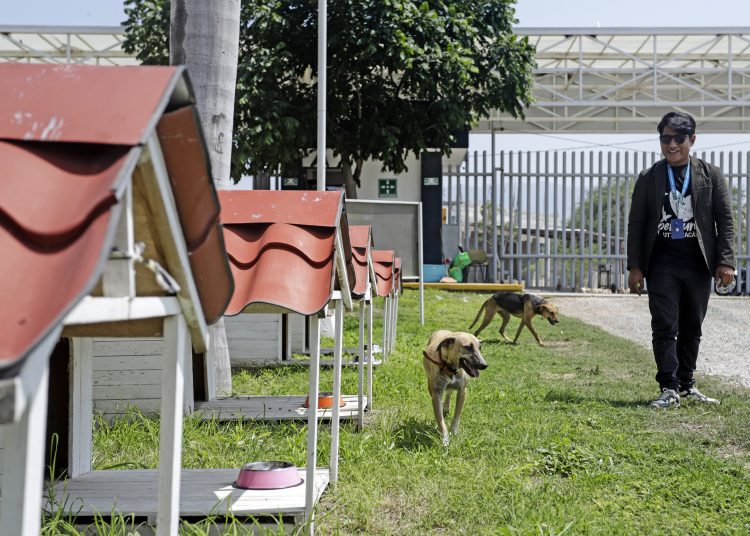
column 725, row 345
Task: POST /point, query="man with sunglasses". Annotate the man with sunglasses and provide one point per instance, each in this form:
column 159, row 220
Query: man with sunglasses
column 680, row 234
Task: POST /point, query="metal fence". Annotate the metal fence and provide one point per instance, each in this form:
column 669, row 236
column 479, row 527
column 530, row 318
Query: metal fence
column 558, row 220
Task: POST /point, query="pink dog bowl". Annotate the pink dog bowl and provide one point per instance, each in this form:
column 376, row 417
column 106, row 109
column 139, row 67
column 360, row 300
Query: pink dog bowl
column 268, row 475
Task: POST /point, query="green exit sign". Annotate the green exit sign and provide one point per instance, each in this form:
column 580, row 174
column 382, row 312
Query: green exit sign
column 386, row 188
column 432, row 181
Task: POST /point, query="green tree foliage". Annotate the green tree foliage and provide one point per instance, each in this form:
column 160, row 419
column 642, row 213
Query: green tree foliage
column 403, row 75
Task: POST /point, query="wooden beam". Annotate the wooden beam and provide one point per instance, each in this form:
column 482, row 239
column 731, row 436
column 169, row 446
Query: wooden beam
column 170, row 430
column 338, row 350
column 370, row 358
column 119, row 276
column 341, row 270
column 17, row 391
column 151, row 175
column 23, row 443
column 100, row 310
column 312, row 416
column 81, row 406
column 361, row 367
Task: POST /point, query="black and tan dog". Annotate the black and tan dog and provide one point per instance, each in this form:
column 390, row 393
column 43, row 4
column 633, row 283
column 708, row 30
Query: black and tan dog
column 523, row 306
column 450, row 359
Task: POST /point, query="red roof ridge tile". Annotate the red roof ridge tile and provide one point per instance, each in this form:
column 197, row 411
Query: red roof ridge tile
column 313, row 208
column 316, row 248
column 37, row 178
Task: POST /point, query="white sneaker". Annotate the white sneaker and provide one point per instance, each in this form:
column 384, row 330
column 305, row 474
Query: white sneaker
column 695, row 394
column 668, row 397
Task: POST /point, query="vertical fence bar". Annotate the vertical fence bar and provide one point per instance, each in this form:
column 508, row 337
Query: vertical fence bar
column 582, row 225
column 449, row 180
column 459, row 198
column 537, row 210
column 475, row 223
column 564, row 222
column 600, row 214
column 519, row 219
column 527, row 232
column 747, row 220
column 609, row 206
column 485, row 208
column 618, row 214
column 557, row 282
column 590, row 231
column 547, row 249
column 511, row 219
column 572, row 247
column 622, row 241
column 501, row 202
column 494, row 251
column 467, row 199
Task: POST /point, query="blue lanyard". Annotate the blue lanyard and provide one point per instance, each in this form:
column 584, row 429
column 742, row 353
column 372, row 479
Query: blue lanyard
column 684, row 184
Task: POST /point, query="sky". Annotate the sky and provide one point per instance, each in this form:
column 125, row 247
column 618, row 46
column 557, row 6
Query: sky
column 529, row 13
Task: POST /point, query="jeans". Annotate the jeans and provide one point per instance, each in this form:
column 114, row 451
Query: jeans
column 677, row 299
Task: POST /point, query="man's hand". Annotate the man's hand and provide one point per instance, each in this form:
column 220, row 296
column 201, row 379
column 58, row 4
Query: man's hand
column 635, row 281
column 724, row 274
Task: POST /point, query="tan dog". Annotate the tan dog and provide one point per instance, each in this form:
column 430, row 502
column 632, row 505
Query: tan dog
column 451, row 357
column 525, row 307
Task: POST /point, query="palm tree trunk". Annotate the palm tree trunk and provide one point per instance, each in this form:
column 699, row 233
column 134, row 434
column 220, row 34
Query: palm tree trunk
column 204, row 35
column 350, row 186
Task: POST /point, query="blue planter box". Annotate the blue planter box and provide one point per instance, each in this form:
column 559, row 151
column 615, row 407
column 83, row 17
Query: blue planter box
column 433, row 272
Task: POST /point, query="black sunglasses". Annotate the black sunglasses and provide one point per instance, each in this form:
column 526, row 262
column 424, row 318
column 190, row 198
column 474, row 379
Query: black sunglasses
column 666, row 139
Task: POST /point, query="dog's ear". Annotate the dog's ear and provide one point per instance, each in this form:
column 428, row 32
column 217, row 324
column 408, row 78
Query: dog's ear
column 445, row 343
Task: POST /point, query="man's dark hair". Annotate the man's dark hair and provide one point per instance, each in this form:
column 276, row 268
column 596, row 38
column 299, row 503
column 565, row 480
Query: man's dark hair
column 680, row 122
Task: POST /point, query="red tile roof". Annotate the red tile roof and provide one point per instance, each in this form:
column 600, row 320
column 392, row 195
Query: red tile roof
column 84, row 103
column 57, row 209
column 281, row 247
column 360, row 237
column 188, row 166
column 70, row 137
column 384, row 260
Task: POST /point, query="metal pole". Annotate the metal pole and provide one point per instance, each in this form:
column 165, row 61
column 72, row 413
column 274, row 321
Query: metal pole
column 493, row 249
column 322, row 88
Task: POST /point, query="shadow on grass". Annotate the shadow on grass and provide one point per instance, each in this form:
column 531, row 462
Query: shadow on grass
column 413, row 434
column 572, row 398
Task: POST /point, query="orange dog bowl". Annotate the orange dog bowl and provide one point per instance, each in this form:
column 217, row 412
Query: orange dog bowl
column 325, row 401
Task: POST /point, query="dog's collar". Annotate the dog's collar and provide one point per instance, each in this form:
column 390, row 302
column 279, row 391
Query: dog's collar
column 445, row 367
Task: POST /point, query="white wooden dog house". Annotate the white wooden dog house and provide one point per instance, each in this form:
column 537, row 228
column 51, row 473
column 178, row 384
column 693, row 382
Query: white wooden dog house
column 288, row 251
column 95, row 242
column 384, row 261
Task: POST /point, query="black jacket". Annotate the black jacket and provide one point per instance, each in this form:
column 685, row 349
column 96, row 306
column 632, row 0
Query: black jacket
column 712, row 208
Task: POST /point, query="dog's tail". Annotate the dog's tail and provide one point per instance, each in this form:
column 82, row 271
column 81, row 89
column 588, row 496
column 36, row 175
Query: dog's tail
column 479, row 313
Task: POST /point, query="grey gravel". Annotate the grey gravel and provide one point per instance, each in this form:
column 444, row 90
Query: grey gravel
column 725, row 344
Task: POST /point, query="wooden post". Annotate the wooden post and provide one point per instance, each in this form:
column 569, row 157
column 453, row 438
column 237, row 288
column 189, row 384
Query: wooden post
column 23, row 442
column 361, row 367
column 312, row 418
column 338, row 350
column 170, row 432
column 369, row 348
column 119, row 277
column 81, row 406
column 386, row 321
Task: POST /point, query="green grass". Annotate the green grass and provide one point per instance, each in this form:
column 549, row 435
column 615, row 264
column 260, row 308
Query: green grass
column 554, row 440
